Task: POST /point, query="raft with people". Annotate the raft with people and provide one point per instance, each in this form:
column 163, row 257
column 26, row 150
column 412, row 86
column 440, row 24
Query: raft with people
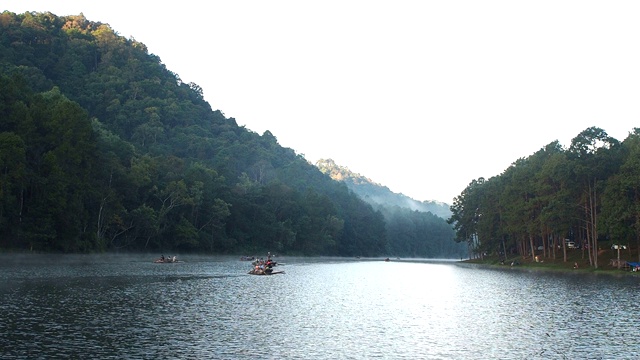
column 165, row 260
column 264, row 267
column 255, row 271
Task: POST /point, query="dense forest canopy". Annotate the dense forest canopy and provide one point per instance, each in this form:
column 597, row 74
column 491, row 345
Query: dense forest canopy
column 102, row 148
column 586, row 195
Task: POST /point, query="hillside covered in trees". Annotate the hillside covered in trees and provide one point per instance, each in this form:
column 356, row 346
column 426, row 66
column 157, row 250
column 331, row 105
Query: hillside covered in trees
column 416, row 227
column 102, row 148
column 377, row 194
column 586, row 195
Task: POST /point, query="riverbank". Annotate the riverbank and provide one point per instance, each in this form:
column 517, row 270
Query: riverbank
column 577, row 261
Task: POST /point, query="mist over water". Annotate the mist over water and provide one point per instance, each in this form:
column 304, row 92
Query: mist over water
column 106, row 306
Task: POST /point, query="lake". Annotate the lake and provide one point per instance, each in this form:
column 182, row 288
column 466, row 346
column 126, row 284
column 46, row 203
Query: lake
column 127, row 307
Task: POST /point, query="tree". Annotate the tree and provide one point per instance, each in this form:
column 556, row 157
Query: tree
column 465, row 214
column 13, row 166
column 558, row 203
column 621, row 199
column 593, row 152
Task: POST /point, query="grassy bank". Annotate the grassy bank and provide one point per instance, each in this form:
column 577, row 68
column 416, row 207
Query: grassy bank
column 607, row 261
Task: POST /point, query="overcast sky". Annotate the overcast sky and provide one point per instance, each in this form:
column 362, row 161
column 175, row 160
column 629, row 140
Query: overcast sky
column 420, row 96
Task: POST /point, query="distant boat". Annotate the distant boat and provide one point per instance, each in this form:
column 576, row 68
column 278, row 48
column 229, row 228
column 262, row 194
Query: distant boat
column 166, row 260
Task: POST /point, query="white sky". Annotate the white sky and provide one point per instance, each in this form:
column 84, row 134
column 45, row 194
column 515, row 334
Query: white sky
column 420, row 96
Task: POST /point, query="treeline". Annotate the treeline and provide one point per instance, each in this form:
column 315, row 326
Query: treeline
column 588, row 193
column 416, row 233
column 415, row 229
column 104, row 149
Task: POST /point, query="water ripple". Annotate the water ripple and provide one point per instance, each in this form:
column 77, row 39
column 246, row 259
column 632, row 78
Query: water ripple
column 318, row 309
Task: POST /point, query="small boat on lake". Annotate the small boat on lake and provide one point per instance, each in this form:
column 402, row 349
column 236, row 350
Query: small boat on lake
column 262, row 267
column 264, row 272
column 166, row 260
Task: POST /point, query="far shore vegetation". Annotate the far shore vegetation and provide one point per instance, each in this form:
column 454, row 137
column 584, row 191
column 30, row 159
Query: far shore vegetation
column 577, row 261
column 566, row 205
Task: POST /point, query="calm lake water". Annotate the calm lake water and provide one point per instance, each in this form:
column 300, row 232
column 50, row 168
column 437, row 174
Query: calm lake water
column 110, row 307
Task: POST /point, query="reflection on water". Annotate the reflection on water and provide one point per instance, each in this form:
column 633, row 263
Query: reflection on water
column 109, row 307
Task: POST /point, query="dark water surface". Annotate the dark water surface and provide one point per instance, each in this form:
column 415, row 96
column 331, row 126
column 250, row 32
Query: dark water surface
column 110, row 307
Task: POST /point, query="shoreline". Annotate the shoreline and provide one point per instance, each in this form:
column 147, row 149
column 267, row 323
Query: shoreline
column 556, row 267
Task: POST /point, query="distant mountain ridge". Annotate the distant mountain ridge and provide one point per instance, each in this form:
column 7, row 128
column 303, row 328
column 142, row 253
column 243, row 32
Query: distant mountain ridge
column 377, row 194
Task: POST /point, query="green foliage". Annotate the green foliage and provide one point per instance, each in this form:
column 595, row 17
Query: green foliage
column 102, row 148
column 586, row 193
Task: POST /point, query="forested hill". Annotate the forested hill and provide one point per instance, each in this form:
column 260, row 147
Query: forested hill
column 102, row 148
column 415, row 227
column 376, row 194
